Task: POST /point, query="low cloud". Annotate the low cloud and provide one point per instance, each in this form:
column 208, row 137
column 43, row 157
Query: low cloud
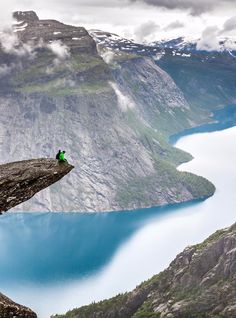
column 229, row 25
column 210, row 39
column 174, row 25
column 145, row 31
column 124, row 102
column 108, row 57
column 10, row 44
column 60, row 50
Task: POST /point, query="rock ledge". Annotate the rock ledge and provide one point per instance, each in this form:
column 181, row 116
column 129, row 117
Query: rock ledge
column 20, row 181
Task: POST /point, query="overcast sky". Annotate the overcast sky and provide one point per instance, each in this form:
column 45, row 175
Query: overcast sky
column 144, row 20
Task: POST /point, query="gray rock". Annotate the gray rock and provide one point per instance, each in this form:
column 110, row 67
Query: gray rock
column 20, row 181
column 10, row 309
column 112, row 122
column 200, row 282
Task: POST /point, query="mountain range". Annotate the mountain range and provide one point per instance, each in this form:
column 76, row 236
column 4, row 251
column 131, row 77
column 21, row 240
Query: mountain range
column 111, row 111
column 112, row 105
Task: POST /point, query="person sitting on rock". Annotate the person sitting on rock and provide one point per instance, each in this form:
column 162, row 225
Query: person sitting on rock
column 62, row 157
column 58, row 155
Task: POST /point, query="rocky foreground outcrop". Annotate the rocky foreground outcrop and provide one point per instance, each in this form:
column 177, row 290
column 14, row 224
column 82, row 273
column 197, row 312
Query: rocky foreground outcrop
column 20, row 181
column 9, row 309
column 200, row 282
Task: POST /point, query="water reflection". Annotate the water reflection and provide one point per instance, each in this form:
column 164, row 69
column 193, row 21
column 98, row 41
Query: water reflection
column 47, row 247
column 82, row 258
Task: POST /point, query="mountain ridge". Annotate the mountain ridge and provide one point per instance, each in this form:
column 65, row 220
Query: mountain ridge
column 200, row 282
column 112, row 119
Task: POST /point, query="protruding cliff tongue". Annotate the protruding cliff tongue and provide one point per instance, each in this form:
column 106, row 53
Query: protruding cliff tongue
column 19, row 181
column 10, row 309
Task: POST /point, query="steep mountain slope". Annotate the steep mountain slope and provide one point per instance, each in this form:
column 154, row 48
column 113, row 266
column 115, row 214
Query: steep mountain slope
column 57, row 92
column 200, row 282
column 164, row 108
column 207, row 79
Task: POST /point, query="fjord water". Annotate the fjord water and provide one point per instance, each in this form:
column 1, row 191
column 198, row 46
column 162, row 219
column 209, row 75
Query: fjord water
column 55, row 262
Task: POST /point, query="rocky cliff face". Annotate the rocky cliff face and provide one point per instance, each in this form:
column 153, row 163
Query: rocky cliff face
column 200, row 282
column 9, row 309
column 30, row 29
column 165, row 107
column 207, row 79
column 19, row 181
column 110, row 118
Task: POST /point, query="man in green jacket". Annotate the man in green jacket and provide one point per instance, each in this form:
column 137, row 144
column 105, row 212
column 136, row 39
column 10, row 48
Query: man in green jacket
column 62, row 156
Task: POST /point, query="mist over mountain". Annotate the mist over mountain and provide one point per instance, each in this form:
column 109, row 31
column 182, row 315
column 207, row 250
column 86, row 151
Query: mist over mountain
column 112, row 104
column 205, row 77
column 113, row 117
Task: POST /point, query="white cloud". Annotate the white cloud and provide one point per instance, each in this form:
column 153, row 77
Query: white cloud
column 146, row 31
column 209, row 40
column 124, row 17
column 11, row 44
column 124, row 102
column 108, row 56
column 60, row 50
column 211, row 37
column 174, row 25
column 229, row 25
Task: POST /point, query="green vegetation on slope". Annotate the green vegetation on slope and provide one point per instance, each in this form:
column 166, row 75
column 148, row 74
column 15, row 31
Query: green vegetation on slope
column 100, row 307
column 58, row 88
column 81, row 73
column 146, row 311
column 167, row 185
column 153, row 140
column 177, row 289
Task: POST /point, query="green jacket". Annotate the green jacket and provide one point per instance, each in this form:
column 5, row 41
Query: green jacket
column 62, row 157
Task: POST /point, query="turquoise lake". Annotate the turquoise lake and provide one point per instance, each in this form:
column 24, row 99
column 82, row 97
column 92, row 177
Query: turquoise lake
column 55, row 262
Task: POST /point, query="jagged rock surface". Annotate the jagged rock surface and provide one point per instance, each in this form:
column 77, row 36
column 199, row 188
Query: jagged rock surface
column 19, row 181
column 200, row 282
column 207, row 78
column 9, row 309
column 30, row 28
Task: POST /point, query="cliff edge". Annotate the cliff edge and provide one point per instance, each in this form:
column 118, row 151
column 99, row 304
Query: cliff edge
column 20, row 181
